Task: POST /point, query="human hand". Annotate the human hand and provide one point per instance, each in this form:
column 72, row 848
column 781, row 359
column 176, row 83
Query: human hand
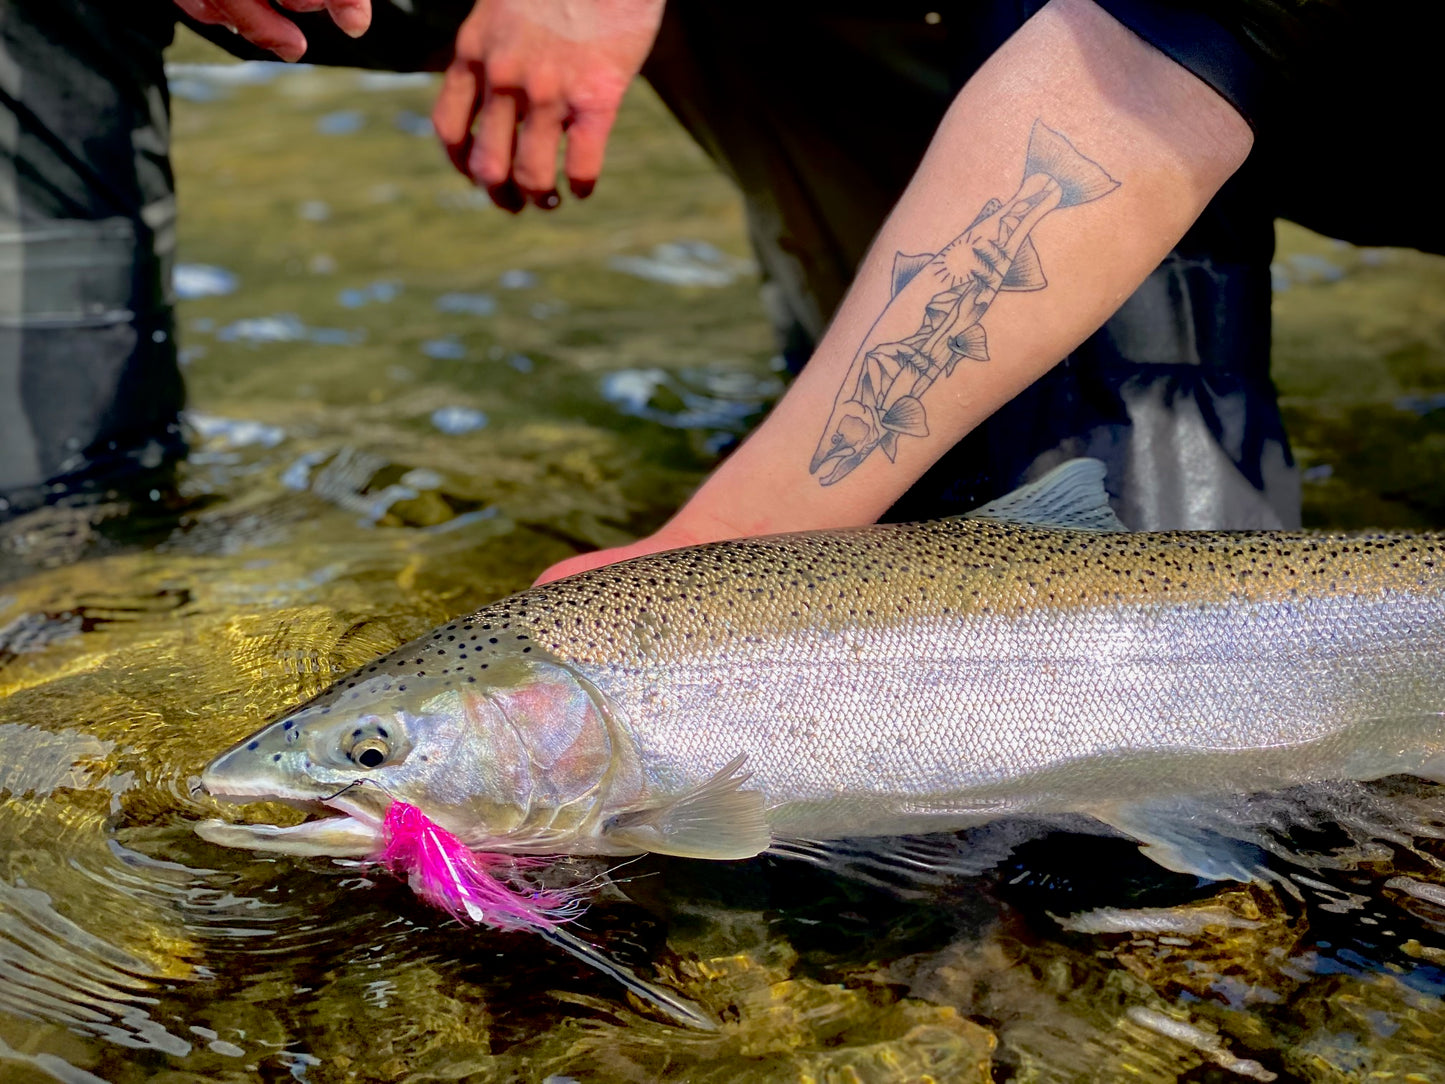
column 667, row 538
column 261, row 24
column 526, row 71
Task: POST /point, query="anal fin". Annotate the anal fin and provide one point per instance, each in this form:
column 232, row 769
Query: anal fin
column 1170, row 834
column 717, row 820
column 1025, row 273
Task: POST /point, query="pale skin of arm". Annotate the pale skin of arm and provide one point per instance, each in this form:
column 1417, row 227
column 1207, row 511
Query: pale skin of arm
column 1168, row 138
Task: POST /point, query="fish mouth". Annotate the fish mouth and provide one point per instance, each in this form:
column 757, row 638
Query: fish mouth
column 843, row 460
column 348, row 827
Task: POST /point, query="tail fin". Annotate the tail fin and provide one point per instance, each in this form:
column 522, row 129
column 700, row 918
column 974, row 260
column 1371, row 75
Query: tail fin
column 1082, row 178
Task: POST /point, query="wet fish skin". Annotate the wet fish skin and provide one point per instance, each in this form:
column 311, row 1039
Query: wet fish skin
column 886, row 680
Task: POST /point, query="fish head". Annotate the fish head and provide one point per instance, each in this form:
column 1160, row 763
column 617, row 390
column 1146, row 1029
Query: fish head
column 852, row 432
column 513, row 754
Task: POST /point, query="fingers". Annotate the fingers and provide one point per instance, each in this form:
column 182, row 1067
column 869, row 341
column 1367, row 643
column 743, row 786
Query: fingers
column 534, row 166
column 486, row 158
column 254, row 20
column 581, row 563
column 352, row 16
column 513, row 151
column 455, row 109
column 586, row 147
column 490, row 161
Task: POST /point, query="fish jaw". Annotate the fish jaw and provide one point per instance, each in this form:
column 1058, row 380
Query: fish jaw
column 845, row 461
column 850, row 435
column 327, row 837
column 351, row 825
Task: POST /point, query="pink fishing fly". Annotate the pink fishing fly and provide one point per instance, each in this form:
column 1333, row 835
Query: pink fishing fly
column 444, row 871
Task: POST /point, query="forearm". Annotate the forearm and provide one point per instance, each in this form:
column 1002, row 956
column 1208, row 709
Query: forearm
column 1000, row 291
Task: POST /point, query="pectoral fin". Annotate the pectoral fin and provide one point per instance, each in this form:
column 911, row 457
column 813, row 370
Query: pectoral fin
column 716, row 820
column 971, row 342
column 906, row 416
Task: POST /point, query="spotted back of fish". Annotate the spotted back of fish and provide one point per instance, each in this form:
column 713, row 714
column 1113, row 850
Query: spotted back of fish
column 671, row 605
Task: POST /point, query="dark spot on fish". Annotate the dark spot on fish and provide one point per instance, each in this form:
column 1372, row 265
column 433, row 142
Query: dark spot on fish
column 381, row 732
column 401, row 688
column 252, row 745
column 288, row 724
column 525, row 650
column 356, row 733
column 493, row 640
column 472, row 680
column 275, row 757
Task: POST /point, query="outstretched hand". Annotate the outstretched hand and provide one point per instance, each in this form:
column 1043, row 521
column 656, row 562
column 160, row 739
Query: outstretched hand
column 668, row 538
column 261, row 24
column 525, row 72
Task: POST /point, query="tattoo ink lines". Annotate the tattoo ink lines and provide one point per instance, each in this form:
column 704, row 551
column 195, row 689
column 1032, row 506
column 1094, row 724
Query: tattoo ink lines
column 882, row 396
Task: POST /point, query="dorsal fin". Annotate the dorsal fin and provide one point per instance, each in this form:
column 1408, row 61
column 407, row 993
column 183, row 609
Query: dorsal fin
column 905, row 267
column 1071, row 495
column 1025, row 273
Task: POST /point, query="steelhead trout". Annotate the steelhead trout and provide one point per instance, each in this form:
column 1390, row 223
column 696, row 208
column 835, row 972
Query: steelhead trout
column 714, row 702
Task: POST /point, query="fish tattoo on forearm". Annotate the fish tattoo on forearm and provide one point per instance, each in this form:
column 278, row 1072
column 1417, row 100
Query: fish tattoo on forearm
column 903, row 355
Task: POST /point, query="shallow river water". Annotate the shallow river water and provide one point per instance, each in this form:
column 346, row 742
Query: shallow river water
column 405, row 404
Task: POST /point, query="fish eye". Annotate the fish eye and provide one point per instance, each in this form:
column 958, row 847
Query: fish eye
column 371, row 753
